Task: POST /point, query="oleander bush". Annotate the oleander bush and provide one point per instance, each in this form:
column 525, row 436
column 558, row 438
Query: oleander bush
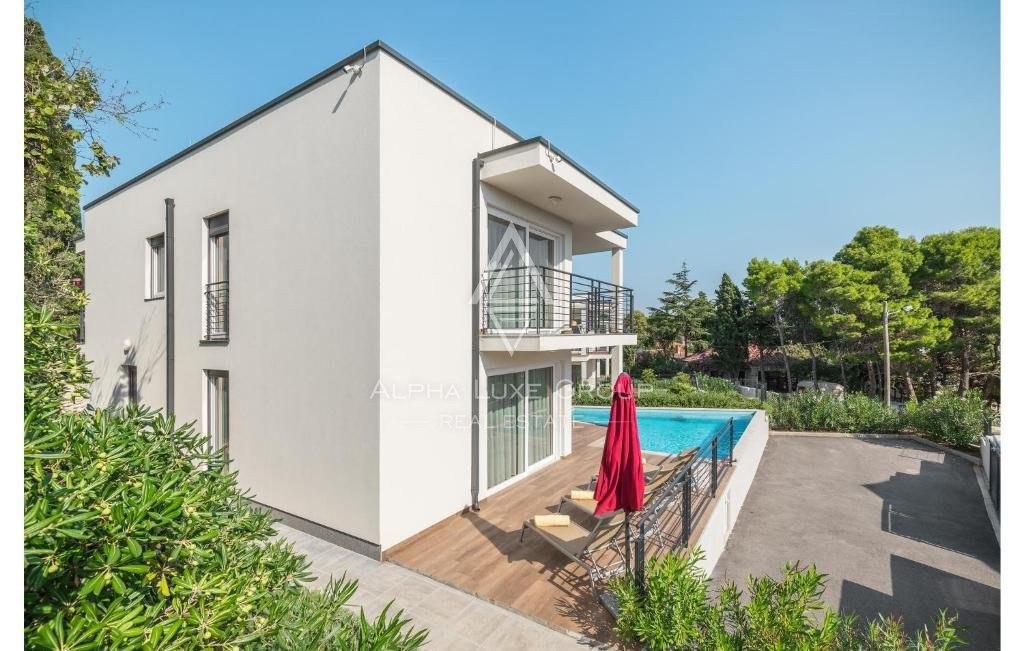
column 137, row 536
column 679, row 612
column 950, row 419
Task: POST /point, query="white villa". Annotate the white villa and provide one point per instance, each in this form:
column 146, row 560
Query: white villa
column 392, row 248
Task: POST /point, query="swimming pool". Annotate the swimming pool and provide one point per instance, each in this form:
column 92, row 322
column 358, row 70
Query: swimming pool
column 672, row 430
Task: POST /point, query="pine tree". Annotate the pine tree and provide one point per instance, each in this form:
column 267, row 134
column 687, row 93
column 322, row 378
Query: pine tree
column 729, row 333
column 682, row 314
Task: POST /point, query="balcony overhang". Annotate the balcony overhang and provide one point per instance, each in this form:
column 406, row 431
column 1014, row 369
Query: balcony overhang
column 535, row 171
column 587, row 242
column 513, row 342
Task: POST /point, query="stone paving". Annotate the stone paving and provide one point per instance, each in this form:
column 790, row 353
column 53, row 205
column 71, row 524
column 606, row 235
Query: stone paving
column 456, row 620
column 900, row 527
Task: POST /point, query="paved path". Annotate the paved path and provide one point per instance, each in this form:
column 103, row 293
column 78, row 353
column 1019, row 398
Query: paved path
column 900, row 528
column 456, row 620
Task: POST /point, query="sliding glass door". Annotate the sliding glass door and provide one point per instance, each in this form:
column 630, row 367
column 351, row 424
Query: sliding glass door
column 520, row 431
column 521, row 285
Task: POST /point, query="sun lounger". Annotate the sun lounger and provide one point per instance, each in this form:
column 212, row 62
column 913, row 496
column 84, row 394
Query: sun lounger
column 663, row 474
column 598, row 550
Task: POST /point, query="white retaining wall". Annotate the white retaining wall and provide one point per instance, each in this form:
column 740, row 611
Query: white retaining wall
column 727, row 507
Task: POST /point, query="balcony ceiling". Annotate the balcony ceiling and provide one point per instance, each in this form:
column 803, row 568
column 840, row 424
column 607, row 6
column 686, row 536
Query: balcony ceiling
column 527, row 171
column 585, row 241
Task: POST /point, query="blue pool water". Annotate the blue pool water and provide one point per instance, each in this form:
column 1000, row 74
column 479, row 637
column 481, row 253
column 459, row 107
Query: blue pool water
column 672, row 430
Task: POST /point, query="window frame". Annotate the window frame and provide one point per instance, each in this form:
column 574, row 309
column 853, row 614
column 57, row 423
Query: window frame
column 217, row 440
column 216, row 269
column 154, row 270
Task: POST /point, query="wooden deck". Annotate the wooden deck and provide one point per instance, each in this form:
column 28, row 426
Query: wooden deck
column 480, row 552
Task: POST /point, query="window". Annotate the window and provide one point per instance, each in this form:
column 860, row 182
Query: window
column 217, row 278
column 155, row 267
column 217, row 410
column 130, row 384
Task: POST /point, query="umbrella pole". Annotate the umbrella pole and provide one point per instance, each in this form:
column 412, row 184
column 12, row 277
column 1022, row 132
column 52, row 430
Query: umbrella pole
column 629, row 565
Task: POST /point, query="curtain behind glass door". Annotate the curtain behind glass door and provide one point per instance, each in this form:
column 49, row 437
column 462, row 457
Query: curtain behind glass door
column 505, row 410
column 506, row 293
column 541, row 423
column 542, row 255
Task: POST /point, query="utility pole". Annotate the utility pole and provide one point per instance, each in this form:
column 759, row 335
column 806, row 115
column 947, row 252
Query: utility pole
column 885, row 351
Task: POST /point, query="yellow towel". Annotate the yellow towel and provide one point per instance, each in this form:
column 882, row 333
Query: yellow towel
column 581, row 495
column 552, row 520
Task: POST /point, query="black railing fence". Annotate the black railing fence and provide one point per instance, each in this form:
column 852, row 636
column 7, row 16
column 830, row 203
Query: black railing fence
column 667, row 524
column 217, row 311
column 543, row 299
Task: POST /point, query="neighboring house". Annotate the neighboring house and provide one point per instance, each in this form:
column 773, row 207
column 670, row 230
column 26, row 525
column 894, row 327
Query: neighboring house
column 769, row 369
column 591, row 365
column 322, row 284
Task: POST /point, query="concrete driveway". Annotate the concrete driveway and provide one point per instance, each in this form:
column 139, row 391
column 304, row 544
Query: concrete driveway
column 899, row 526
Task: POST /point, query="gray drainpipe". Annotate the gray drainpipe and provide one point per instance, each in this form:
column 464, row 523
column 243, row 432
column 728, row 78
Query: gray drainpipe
column 169, row 298
column 474, row 487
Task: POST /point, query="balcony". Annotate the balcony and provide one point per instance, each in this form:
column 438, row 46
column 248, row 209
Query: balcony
column 540, row 308
column 216, row 296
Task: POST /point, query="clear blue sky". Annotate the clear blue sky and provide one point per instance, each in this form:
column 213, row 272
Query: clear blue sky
column 770, row 129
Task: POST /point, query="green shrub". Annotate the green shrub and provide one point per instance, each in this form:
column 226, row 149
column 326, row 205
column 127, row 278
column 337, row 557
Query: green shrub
column 715, row 384
column 718, row 400
column 677, row 611
column 950, row 419
column 647, row 376
column 137, row 536
column 658, row 395
column 813, row 411
column 681, row 384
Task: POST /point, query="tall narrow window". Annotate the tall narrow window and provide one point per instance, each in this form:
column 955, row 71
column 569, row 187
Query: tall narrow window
column 155, row 267
column 130, row 384
column 217, row 410
column 217, row 278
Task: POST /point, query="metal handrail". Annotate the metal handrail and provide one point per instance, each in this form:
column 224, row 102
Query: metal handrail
column 543, row 299
column 217, row 312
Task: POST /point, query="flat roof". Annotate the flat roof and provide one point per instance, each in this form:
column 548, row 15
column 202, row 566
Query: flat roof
column 321, row 76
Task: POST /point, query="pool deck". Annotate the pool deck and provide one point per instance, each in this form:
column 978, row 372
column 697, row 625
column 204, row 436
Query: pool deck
column 480, row 552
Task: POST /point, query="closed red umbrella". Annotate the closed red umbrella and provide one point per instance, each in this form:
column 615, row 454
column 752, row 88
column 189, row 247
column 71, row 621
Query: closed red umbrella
column 620, row 482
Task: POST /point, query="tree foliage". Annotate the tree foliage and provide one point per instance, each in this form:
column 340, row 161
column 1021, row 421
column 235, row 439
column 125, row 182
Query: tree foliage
column 682, row 315
column 959, row 280
column 729, row 328
column 65, row 104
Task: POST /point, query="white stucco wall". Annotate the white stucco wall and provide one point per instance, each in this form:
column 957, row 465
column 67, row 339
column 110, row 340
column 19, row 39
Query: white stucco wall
column 428, row 143
column 301, row 183
column 726, row 509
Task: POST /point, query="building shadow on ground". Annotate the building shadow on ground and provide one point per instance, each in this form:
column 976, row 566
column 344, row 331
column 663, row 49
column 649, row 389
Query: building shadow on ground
column 920, row 591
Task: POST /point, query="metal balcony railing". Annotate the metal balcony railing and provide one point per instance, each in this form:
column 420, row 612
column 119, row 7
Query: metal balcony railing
column 217, row 311
column 546, row 300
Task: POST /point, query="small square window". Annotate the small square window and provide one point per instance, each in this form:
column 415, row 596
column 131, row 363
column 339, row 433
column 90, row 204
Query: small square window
column 155, row 267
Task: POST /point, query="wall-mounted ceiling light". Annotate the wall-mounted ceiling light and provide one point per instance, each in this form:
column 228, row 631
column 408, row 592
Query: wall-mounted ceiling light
column 555, row 199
